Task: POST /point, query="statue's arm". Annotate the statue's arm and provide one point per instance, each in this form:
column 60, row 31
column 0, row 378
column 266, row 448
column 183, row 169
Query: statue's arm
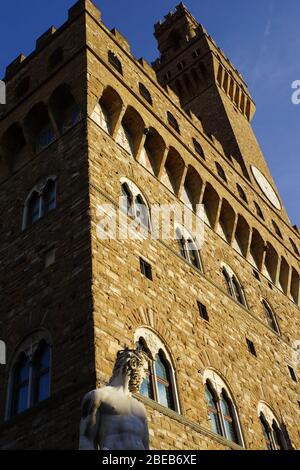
column 89, row 422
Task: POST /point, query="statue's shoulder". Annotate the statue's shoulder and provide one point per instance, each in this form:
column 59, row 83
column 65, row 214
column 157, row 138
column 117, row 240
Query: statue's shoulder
column 96, row 396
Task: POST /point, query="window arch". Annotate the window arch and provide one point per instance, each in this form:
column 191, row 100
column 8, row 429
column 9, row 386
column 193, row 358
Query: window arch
column 295, row 248
column 221, row 172
column 271, row 428
column 173, row 122
column 277, row 229
column 30, row 374
column 40, row 201
column 160, row 386
column 234, row 287
column 242, row 193
column 222, row 411
column 64, row 107
column 270, row 316
column 115, row 62
column 188, row 248
column 39, row 127
column 198, row 149
column 134, row 203
column 107, row 110
column 145, row 93
column 259, row 211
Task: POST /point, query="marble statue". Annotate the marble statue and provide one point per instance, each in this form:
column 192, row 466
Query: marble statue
column 112, row 419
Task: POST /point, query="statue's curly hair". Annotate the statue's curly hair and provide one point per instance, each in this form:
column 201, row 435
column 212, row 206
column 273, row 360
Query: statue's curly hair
column 130, row 360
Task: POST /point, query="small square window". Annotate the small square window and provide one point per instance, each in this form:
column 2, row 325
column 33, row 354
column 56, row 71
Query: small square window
column 299, row 404
column 146, row 269
column 203, row 311
column 292, row 374
column 270, row 285
column 256, row 274
column 251, row 347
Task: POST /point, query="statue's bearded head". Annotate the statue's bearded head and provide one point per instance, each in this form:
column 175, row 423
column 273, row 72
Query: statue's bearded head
column 134, row 363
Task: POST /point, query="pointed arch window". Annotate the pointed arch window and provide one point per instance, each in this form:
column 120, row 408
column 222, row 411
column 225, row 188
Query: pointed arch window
column 188, row 248
column 41, row 201
column 160, row 384
column 29, row 381
column 213, row 410
column 164, row 387
column 270, row 316
column 20, row 401
column 101, row 116
column 124, row 138
column 228, row 418
column 42, row 373
column 33, row 208
column 134, row 204
column 49, row 197
column 234, row 288
column 272, row 432
column 221, row 410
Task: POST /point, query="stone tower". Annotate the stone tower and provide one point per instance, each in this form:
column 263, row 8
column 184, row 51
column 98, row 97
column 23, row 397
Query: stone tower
column 86, row 122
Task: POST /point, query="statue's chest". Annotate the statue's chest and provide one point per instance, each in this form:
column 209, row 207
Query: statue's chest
column 120, row 406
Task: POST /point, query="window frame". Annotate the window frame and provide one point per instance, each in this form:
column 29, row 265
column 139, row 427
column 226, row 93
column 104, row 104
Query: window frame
column 134, row 193
column 153, row 346
column 29, row 349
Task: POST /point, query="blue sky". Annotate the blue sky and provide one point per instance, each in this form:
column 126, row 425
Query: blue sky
column 261, row 38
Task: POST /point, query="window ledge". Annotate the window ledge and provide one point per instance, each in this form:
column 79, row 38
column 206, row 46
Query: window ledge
column 187, row 422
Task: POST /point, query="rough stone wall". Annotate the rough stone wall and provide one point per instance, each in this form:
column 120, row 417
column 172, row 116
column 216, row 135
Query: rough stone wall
column 124, row 300
column 55, row 298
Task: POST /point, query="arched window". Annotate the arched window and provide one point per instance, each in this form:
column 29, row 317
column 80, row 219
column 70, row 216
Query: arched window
column 134, row 203
column 221, row 172
column 127, row 200
column 198, row 149
column 234, row 288
column 271, row 429
column 34, row 209
column 39, row 127
column 115, row 62
column 228, row 418
column 42, row 373
column 270, row 316
column 29, row 381
column 213, row 410
column 266, row 432
column 41, row 200
column 141, row 211
column 145, row 93
column 20, row 392
column 163, row 381
column 188, row 248
column 259, row 211
column 160, row 384
column 242, row 193
column 173, row 122
column 64, row 107
column 295, row 248
column 277, row 229
column 147, row 385
column 221, row 409
column 124, row 138
column 49, row 197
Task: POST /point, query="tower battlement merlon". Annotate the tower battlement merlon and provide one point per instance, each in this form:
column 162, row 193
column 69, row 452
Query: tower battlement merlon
column 74, row 12
column 174, row 15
